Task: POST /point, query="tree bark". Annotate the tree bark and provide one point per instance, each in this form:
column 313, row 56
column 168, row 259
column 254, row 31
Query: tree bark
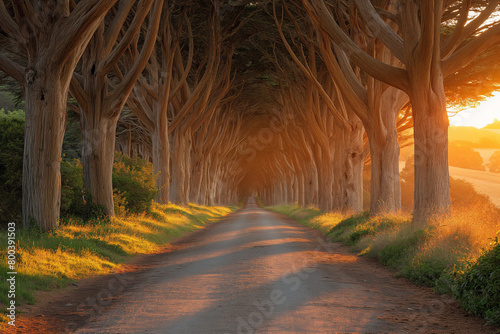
column 432, row 178
column 98, row 151
column 46, row 94
column 161, row 157
column 385, row 185
column 353, row 166
column 180, row 169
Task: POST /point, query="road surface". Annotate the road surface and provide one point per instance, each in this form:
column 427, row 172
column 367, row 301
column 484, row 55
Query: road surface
column 253, row 272
column 258, row 272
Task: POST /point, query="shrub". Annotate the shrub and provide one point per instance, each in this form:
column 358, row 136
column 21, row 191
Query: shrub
column 494, row 164
column 72, row 193
column 11, row 165
column 134, row 180
column 460, row 154
column 119, row 203
column 479, row 289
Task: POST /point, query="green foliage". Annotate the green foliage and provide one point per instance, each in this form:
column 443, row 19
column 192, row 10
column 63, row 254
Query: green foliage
column 72, row 188
column 494, row 164
column 53, row 260
column 426, row 272
column 396, row 253
column 11, row 165
column 119, row 203
column 347, row 230
column 72, row 143
column 479, row 289
column 134, row 180
column 6, row 100
column 463, row 156
column 74, row 199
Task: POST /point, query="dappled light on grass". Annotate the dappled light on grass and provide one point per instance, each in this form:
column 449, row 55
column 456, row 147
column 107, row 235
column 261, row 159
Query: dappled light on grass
column 81, row 249
column 467, row 232
column 62, row 263
column 433, row 254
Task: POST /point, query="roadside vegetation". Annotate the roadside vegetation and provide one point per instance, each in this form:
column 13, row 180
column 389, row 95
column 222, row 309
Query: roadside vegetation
column 458, row 255
column 87, row 242
column 82, row 248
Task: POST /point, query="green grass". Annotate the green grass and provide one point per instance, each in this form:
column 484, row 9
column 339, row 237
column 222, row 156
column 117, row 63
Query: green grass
column 81, row 249
column 454, row 255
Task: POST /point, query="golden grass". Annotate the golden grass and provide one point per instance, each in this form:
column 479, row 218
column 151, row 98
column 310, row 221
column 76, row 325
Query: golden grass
column 462, row 237
column 78, row 250
column 62, row 263
column 448, row 244
column 327, row 221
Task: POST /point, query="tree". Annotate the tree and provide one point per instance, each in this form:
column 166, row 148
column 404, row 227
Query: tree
column 102, row 95
column 51, row 36
column 464, row 156
column 494, row 164
column 427, row 58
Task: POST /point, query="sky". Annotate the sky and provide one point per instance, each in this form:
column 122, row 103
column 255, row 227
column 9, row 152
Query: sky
column 484, row 114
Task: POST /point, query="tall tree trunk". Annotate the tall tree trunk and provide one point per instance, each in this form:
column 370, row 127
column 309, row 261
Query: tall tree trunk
column 385, row 185
column 353, row 166
column 432, row 178
column 337, row 167
column 301, row 188
column 98, row 150
column 161, row 157
column 178, row 169
column 46, row 91
column 196, row 180
column 312, row 184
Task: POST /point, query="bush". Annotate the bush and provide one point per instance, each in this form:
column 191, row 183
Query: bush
column 460, row 154
column 72, row 190
column 479, row 289
column 134, row 180
column 494, row 164
column 11, row 165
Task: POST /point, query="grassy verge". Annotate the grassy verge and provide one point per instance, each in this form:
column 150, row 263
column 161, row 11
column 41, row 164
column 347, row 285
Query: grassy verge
column 81, row 249
column 457, row 255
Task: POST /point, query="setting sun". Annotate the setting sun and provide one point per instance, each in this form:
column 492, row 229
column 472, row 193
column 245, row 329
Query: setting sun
column 485, row 113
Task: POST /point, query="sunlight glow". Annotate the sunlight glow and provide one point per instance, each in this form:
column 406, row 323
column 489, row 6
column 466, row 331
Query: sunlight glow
column 485, row 113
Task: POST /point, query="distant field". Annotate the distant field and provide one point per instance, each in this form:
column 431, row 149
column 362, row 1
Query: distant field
column 471, row 134
column 497, row 131
column 485, row 182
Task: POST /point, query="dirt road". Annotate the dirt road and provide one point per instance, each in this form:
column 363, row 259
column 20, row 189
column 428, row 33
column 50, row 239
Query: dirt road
column 258, row 272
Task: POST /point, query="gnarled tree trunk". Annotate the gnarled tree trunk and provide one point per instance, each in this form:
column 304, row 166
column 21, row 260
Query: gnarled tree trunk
column 161, row 157
column 432, row 178
column 353, row 166
column 98, row 151
column 46, row 90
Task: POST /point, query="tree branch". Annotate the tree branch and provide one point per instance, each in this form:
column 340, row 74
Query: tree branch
column 132, row 31
column 115, row 101
column 12, row 68
column 77, row 29
column 471, row 50
column 380, row 29
column 10, row 27
column 391, row 75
